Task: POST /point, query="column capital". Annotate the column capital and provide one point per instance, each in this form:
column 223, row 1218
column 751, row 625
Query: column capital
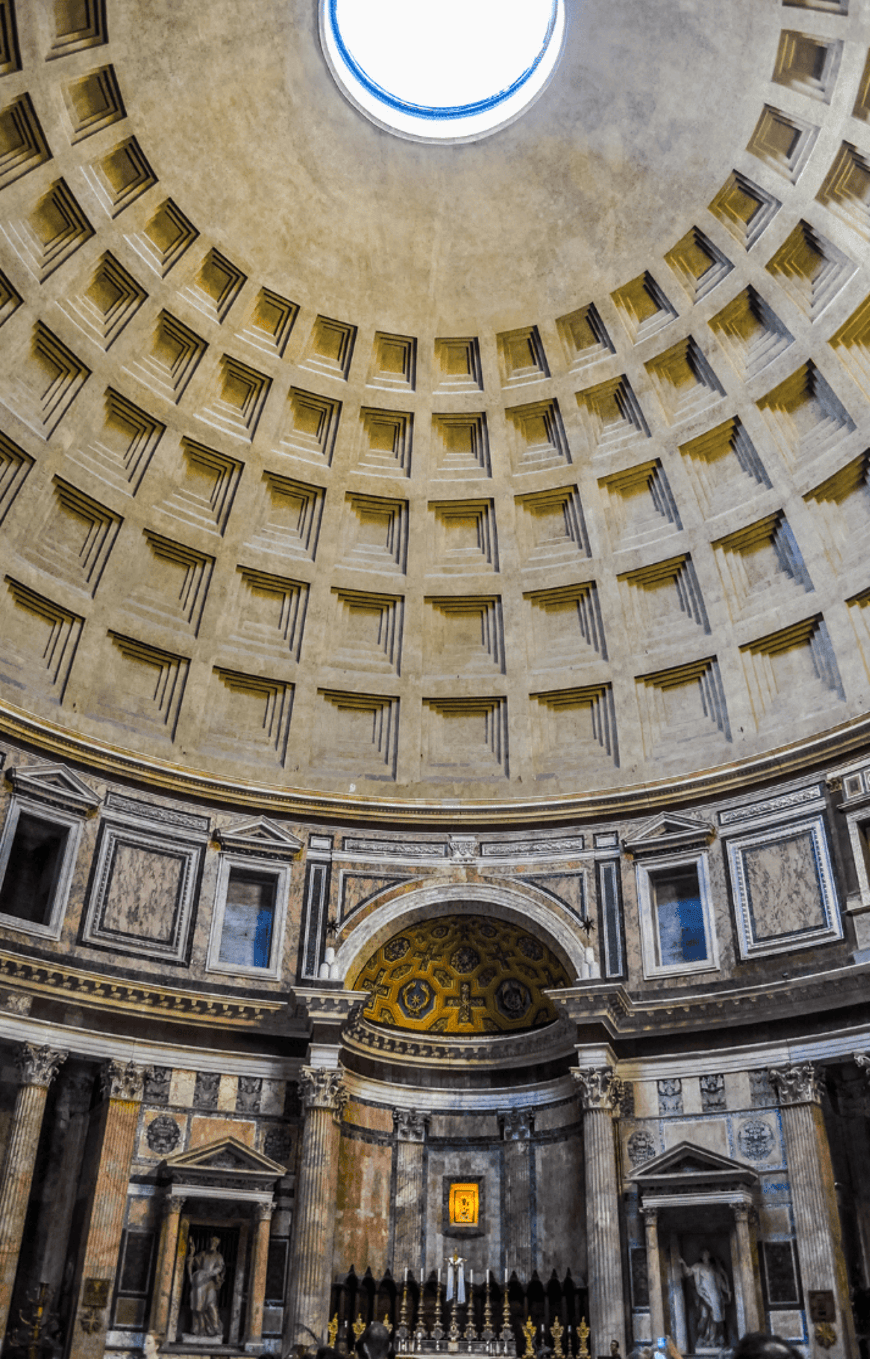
column 122, row 1081
column 173, row 1204
column 323, row 1088
column 650, row 1213
column 597, row 1087
column 516, row 1125
column 799, row 1084
column 38, row 1066
column 411, row 1126
column 263, row 1212
column 743, row 1213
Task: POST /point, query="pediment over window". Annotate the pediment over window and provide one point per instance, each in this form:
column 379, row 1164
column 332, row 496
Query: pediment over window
column 259, row 836
column 688, row 1170
column 56, row 786
column 670, row 832
column 227, row 1163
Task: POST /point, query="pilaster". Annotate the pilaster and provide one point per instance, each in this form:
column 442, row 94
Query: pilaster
column 598, row 1090
column 122, row 1090
column 324, row 1097
column 37, row 1068
column 516, row 1132
column 814, row 1201
column 259, row 1261
column 411, row 1129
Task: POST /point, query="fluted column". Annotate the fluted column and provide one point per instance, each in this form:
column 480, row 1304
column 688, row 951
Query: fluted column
column 259, row 1262
column 654, row 1273
column 122, row 1090
column 411, row 1128
column 516, row 1131
column 323, row 1097
column 746, row 1267
column 163, row 1276
column 597, row 1089
column 36, row 1069
column 814, row 1200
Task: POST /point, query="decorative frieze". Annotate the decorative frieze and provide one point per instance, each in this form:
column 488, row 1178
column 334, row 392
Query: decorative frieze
column 712, row 1092
column 670, row 1090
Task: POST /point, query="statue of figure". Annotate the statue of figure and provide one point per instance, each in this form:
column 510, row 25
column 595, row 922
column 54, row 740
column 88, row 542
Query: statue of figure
column 714, row 1291
column 206, row 1270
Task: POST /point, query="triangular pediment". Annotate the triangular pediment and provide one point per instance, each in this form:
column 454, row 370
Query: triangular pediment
column 687, row 1163
column 224, row 1155
column 670, row 831
column 57, row 786
column 259, row 836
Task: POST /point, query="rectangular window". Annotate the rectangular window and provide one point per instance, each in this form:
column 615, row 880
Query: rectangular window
column 33, row 869
column 249, row 919
column 676, row 916
column 681, row 936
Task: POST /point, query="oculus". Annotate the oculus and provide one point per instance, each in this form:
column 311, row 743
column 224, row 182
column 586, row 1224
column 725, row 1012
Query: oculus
column 442, row 70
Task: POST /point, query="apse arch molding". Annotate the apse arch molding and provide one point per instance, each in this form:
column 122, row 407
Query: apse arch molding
column 525, row 907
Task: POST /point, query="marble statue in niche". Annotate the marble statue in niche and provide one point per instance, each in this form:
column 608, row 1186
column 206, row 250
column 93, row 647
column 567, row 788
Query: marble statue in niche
column 206, row 1270
column 713, row 1293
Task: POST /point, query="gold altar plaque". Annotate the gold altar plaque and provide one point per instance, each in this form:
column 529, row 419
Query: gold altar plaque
column 464, row 1204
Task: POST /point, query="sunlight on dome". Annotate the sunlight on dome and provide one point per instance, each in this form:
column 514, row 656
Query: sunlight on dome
column 444, row 70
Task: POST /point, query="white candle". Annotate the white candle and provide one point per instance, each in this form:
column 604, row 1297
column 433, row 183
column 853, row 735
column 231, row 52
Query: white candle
column 439, row 1274
column 505, row 1274
column 406, row 1274
column 471, row 1277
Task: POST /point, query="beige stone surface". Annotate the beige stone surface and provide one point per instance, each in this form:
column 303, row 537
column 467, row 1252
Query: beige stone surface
column 269, row 558
column 204, row 1129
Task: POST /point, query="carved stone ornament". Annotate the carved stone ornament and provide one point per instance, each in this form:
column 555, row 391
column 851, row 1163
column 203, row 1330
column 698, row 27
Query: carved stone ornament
column 863, row 1061
column 323, row 1089
column 597, row 1087
column 173, row 1204
column 641, row 1147
column 516, row 1124
column 263, row 1212
column 797, row 1085
column 411, row 1125
column 163, row 1135
column 38, row 1066
column 122, row 1081
column 157, row 1084
column 755, row 1140
column 463, row 849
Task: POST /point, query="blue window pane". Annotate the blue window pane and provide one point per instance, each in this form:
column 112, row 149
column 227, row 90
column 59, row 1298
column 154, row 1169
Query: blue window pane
column 680, row 917
column 249, row 920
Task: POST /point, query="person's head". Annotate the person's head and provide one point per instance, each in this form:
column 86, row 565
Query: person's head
column 215, row 1243
column 762, row 1346
column 705, row 1256
column 376, row 1341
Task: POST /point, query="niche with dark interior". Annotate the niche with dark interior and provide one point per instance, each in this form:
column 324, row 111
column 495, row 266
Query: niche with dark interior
column 249, row 918
column 33, row 869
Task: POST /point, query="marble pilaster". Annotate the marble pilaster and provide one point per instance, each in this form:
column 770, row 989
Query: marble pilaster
column 654, row 1273
column 257, row 1287
column 598, row 1089
column 122, row 1090
column 750, row 1315
column 814, row 1200
column 324, row 1097
column 516, row 1131
column 411, row 1128
column 37, row 1068
column 165, row 1272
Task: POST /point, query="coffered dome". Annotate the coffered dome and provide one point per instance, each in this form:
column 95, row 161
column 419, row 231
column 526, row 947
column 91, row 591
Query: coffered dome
column 355, row 468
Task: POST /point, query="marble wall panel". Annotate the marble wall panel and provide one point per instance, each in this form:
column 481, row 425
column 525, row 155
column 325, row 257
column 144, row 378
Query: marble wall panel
column 204, row 1129
column 560, row 1238
column 549, row 1117
column 363, row 1207
column 707, row 1133
column 464, row 1126
column 181, row 1087
column 461, row 1163
column 369, row 1116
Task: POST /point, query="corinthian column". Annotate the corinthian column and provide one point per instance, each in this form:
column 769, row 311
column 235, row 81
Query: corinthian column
column 597, row 1089
column 323, row 1099
column 122, row 1091
column 814, row 1200
column 36, row 1069
column 516, row 1131
column 411, row 1128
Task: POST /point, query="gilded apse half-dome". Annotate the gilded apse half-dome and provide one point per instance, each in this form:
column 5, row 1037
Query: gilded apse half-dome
column 462, row 975
column 353, row 471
